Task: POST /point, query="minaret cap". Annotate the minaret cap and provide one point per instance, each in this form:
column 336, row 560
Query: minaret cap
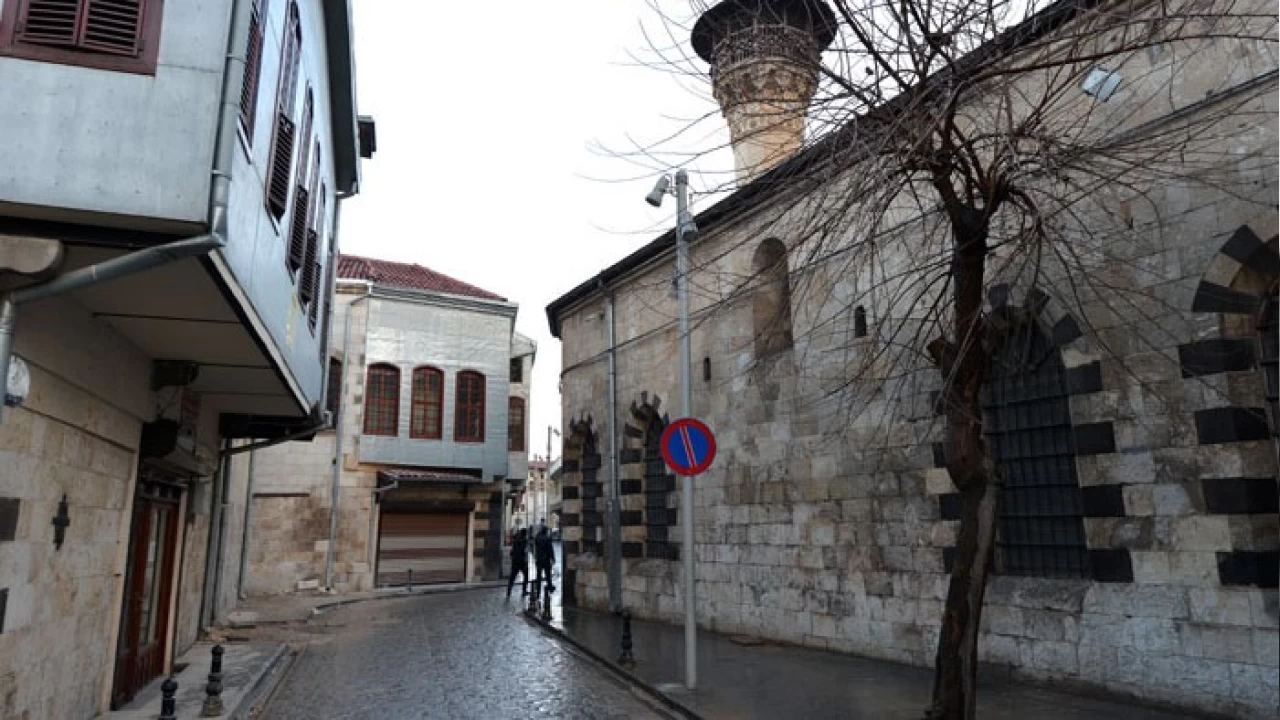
column 733, row 15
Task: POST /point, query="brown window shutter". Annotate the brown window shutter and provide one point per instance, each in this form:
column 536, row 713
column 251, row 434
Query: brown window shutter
column 281, row 164
column 252, row 69
column 307, row 283
column 113, row 26
column 313, row 310
column 51, row 22
column 298, row 229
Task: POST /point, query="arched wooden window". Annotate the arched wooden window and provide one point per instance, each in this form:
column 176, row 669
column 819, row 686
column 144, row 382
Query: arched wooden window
column 1028, row 425
column 771, row 306
column 382, row 400
column 468, row 418
column 426, row 410
column 515, row 424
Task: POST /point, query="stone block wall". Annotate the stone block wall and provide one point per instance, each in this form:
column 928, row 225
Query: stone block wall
column 76, row 435
column 288, row 539
column 829, row 521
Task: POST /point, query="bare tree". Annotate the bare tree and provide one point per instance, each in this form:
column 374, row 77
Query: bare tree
column 957, row 146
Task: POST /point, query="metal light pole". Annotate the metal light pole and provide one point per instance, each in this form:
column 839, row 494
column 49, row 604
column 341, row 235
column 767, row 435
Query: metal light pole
column 686, row 230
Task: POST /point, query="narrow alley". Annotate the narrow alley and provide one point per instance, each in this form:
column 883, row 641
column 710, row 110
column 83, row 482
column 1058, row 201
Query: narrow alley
column 452, row 655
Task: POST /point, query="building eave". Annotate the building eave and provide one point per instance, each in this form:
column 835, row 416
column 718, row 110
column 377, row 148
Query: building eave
column 342, row 96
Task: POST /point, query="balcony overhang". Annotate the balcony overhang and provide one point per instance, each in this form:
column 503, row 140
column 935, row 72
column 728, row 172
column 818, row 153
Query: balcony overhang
column 184, row 313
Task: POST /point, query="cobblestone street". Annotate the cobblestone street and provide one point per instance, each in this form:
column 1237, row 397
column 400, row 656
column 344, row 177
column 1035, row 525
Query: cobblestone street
column 455, row 655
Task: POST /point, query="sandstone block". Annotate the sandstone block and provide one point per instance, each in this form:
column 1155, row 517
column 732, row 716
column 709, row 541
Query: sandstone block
column 1202, row 532
column 1255, row 685
column 1193, row 568
column 1150, row 567
column 1054, row 657
column 1154, row 635
column 1220, row 606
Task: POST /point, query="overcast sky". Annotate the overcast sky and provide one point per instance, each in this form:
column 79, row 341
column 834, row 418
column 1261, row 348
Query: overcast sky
column 488, row 168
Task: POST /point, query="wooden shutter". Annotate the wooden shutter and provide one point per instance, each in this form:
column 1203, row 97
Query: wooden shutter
column 51, row 22
column 298, row 229
column 302, row 200
column 252, row 70
column 281, row 164
column 113, row 26
column 314, row 268
column 307, row 282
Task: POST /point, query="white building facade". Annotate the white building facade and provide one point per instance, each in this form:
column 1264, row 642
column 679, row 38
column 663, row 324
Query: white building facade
column 431, row 415
column 167, row 223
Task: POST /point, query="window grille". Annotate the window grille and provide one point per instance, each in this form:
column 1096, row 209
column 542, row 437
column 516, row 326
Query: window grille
column 1028, row 426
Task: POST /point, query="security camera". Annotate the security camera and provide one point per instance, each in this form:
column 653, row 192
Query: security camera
column 687, row 227
column 659, row 191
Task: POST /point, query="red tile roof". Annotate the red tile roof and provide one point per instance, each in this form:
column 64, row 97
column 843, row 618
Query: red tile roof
column 406, row 275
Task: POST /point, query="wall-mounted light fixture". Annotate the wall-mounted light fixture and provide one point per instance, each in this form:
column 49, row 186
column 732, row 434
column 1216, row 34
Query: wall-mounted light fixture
column 1101, row 83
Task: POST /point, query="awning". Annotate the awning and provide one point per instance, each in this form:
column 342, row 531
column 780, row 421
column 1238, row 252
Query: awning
column 434, row 477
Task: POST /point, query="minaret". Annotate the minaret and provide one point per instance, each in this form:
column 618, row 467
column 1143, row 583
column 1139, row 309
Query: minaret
column 764, row 57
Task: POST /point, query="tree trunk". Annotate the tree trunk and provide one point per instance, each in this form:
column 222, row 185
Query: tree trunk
column 964, row 364
column 955, row 676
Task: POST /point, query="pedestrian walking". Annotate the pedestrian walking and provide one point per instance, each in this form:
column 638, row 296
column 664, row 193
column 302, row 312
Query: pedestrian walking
column 544, row 556
column 519, row 563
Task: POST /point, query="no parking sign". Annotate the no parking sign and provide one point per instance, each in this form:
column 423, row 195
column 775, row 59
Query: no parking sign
column 688, row 446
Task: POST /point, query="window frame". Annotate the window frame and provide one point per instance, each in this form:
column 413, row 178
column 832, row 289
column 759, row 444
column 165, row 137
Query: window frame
column 426, row 433
column 393, row 402
column 771, row 321
column 515, row 435
column 251, row 83
column 143, row 63
column 459, row 407
column 284, row 109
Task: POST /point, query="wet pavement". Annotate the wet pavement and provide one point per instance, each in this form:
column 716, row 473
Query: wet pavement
column 457, row 655
column 738, row 678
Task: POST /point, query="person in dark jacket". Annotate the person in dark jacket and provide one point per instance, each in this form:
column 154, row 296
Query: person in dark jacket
column 519, row 562
column 544, row 556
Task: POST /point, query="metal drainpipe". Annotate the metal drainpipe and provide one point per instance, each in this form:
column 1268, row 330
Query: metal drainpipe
column 209, row 598
column 615, row 487
column 244, row 535
column 339, row 426
column 154, row 256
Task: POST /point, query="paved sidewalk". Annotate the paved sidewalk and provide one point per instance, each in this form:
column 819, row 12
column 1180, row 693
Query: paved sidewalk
column 246, row 672
column 296, row 607
column 775, row 681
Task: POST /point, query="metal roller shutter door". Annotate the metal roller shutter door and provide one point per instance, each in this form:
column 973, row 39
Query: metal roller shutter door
column 433, row 546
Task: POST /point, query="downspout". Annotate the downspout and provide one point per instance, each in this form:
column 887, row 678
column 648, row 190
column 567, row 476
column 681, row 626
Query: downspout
column 338, row 424
column 209, row 598
column 219, row 197
column 615, row 487
column 245, row 533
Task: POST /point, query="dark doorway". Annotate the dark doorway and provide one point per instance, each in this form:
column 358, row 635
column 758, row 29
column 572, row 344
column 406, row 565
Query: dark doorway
column 148, row 586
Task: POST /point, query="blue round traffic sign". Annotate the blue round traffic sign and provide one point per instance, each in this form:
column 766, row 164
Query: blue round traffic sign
column 688, row 446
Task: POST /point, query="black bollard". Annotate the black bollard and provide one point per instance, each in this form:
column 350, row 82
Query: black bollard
column 168, row 704
column 409, row 588
column 213, row 691
column 546, row 602
column 626, row 660
column 533, row 599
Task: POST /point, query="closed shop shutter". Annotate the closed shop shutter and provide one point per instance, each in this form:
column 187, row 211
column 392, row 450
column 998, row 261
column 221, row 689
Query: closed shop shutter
column 433, row 546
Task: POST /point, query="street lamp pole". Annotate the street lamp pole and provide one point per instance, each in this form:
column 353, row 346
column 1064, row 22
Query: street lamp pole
column 686, row 230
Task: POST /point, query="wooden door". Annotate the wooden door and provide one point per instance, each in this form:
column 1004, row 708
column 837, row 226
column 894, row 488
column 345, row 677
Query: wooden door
column 148, row 585
column 433, row 546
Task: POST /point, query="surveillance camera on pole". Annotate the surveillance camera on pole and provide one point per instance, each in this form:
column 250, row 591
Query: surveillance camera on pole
column 686, row 231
